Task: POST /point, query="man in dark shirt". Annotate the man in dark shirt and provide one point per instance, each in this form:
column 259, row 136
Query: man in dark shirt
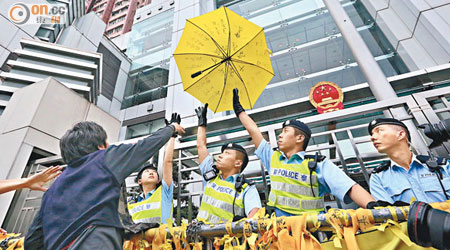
column 79, row 211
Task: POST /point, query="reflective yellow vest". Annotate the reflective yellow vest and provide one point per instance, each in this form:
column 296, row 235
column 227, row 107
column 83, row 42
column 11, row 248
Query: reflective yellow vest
column 290, row 187
column 148, row 210
column 217, row 202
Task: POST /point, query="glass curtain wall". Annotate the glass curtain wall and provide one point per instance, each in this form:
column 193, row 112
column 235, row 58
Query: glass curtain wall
column 308, row 48
column 149, row 49
column 143, row 129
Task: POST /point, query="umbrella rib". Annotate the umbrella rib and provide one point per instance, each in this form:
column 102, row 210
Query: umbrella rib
column 215, row 42
column 229, row 32
column 224, row 84
column 247, row 42
column 243, row 83
column 240, row 61
column 202, row 77
column 199, row 54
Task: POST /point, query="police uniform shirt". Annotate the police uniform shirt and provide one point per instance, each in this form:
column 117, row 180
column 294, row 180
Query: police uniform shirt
column 331, row 179
column 166, row 200
column 398, row 184
column 251, row 196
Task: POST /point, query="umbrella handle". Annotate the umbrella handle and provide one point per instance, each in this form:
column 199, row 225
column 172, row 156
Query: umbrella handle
column 201, row 71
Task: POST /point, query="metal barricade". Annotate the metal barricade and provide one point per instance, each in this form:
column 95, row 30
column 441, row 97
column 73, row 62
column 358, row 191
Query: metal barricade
column 341, row 135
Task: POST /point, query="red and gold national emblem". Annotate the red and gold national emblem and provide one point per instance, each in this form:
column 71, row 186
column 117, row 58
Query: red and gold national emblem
column 326, row 97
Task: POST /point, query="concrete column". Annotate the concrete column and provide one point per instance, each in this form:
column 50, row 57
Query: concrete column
column 375, row 77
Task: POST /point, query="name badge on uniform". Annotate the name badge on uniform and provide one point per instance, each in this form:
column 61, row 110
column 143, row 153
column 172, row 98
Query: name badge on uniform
column 426, row 175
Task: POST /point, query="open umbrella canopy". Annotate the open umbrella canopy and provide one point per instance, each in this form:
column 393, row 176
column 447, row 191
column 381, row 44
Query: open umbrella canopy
column 220, row 51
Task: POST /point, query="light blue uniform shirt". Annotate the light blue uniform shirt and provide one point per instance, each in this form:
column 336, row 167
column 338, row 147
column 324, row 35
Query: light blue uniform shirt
column 166, row 200
column 251, row 197
column 398, row 184
column 331, row 179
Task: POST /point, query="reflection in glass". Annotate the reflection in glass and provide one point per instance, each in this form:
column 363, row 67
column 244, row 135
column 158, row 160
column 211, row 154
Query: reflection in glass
column 149, row 49
column 143, row 129
column 308, row 47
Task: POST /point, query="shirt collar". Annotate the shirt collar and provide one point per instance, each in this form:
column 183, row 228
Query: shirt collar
column 300, row 154
column 148, row 195
column 414, row 159
column 231, row 178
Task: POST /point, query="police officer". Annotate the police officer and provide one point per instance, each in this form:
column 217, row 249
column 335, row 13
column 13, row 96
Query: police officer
column 227, row 195
column 294, row 188
column 154, row 204
column 405, row 175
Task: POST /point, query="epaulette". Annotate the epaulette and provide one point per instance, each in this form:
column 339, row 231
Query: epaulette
column 320, row 158
column 382, row 167
column 439, row 160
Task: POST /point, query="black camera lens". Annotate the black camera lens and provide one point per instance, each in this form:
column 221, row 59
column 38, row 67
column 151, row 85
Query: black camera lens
column 428, row 226
column 439, row 132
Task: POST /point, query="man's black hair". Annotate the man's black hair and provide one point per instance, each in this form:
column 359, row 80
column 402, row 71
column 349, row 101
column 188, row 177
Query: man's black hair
column 83, row 139
column 306, row 140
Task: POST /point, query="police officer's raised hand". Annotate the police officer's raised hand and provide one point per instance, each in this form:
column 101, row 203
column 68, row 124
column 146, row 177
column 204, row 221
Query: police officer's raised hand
column 237, row 107
column 175, row 121
column 175, row 118
column 201, row 114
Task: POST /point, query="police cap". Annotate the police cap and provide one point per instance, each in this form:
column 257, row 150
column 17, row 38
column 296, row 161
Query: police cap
column 149, row 165
column 239, row 148
column 390, row 121
column 298, row 125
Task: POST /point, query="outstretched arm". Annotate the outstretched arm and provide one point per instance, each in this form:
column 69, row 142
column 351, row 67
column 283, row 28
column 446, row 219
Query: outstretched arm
column 201, row 133
column 253, row 212
column 35, row 182
column 168, row 156
column 246, row 121
column 168, row 162
column 360, row 196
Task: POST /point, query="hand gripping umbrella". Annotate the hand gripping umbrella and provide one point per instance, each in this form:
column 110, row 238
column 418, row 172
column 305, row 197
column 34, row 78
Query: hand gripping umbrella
column 220, row 51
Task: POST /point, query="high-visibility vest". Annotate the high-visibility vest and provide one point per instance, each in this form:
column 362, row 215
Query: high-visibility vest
column 217, row 202
column 148, row 210
column 291, row 188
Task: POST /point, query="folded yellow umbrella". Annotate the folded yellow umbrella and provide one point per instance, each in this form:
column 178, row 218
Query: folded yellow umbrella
column 220, row 51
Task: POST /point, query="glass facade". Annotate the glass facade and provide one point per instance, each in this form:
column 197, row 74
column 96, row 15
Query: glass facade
column 308, row 48
column 143, row 129
column 150, row 51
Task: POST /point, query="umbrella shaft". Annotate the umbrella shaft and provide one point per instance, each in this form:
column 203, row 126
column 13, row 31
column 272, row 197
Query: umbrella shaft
column 201, row 71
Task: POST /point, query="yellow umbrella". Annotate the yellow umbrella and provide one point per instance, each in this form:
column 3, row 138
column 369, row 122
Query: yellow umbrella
column 220, row 51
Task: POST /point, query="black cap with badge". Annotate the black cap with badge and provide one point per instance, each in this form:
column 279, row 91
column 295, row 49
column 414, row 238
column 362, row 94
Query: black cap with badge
column 390, row 121
column 239, row 148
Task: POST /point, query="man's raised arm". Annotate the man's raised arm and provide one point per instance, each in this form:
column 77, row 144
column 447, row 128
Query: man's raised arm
column 246, row 121
column 201, row 133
